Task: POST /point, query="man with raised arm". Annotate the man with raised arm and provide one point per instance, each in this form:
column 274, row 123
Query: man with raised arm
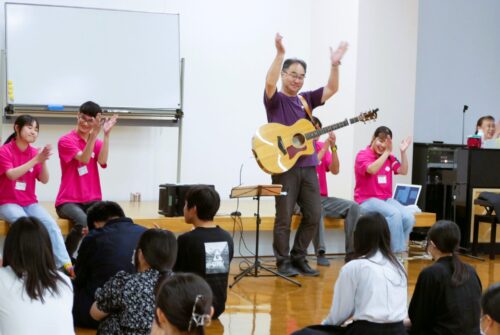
column 300, row 183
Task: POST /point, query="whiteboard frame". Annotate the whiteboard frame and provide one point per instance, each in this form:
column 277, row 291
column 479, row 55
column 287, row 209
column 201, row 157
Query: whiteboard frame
column 126, row 112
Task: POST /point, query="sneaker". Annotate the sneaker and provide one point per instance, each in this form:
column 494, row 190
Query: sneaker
column 304, row 268
column 286, row 269
column 321, row 260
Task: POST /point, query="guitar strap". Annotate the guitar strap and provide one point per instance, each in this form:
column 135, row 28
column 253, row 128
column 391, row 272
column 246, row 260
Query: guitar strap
column 306, row 107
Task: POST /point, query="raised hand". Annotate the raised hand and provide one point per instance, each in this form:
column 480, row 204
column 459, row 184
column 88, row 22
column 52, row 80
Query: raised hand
column 336, row 56
column 278, row 42
column 388, row 144
column 96, row 124
column 405, row 144
column 109, row 123
column 332, row 138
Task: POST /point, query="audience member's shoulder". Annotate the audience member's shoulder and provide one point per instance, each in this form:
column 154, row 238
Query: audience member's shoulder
column 225, row 232
column 122, row 275
column 438, row 269
column 355, row 264
column 6, row 272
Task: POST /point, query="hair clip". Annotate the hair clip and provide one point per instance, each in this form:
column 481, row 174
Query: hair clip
column 196, row 318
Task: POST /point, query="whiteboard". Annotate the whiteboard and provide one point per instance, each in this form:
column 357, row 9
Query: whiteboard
column 68, row 55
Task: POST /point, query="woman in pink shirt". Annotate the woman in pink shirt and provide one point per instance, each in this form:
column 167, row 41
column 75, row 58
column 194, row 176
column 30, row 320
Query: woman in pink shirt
column 373, row 169
column 20, row 166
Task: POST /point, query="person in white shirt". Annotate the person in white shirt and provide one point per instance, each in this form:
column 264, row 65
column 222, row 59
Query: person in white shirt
column 371, row 289
column 35, row 298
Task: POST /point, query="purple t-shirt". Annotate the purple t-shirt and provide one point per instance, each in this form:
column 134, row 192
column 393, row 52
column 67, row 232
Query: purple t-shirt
column 288, row 110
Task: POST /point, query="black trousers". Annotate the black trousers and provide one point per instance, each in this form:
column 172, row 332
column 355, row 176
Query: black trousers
column 301, row 187
column 355, row 328
column 371, row 328
column 76, row 213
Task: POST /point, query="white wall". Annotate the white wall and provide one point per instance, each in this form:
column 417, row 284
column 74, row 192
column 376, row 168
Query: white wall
column 228, row 47
column 458, row 55
column 386, row 70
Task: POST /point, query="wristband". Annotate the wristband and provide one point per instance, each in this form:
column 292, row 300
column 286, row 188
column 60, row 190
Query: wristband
column 334, row 148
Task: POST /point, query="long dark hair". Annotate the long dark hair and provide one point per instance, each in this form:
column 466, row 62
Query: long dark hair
column 159, row 248
column 446, row 237
column 186, row 300
column 21, row 121
column 371, row 235
column 28, row 251
column 490, row 302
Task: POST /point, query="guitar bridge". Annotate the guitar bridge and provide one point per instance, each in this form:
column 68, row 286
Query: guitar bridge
column 281, row 146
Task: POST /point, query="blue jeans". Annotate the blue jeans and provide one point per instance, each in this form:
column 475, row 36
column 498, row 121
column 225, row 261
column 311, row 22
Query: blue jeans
column 12, row 212
column 399, row 219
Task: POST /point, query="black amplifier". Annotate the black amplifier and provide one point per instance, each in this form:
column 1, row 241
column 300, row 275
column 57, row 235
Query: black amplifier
column 172, row 198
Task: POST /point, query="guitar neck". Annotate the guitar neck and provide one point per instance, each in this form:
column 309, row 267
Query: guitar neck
column 333, row 127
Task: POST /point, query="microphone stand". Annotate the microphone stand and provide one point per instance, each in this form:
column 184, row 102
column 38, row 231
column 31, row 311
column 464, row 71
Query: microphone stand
column 463, row 123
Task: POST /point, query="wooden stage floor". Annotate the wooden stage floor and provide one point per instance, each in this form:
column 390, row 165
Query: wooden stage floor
column 270, row 305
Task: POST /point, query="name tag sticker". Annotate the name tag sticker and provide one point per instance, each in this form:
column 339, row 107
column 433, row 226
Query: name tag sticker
column 92, row 155
column 382, row 179
column 20, row 186
column 82, row 170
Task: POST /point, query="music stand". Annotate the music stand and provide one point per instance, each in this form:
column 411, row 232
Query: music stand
column 256, row 192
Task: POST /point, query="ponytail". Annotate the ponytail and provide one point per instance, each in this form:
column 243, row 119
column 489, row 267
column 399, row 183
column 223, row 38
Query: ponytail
column 446, row 237
column 460, row 274
column 10, row 138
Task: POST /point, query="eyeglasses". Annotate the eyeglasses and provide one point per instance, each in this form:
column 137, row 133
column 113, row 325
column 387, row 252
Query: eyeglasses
column 84, row 120
column 296, row 76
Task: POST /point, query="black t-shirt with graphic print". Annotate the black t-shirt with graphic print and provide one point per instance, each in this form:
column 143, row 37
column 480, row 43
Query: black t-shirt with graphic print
column 208, row 253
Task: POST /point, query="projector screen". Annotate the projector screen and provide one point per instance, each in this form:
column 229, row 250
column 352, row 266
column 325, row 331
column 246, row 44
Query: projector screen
column 64, row 56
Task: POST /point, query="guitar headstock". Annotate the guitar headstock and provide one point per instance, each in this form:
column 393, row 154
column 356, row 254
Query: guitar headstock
column 367, row 116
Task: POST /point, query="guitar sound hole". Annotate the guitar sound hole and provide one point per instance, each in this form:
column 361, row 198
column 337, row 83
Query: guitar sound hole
column 298, row 140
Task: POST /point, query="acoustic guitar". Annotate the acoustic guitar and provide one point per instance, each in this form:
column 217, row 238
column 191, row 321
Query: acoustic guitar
column 277, row 147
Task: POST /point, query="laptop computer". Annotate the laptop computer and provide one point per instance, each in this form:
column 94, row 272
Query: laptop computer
column 406, row 194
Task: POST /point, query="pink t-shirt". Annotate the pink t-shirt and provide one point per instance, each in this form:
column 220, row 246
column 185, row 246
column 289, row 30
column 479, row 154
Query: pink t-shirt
column 21, row 191
column 322, row 168
column 79, row 182
column 377, row 185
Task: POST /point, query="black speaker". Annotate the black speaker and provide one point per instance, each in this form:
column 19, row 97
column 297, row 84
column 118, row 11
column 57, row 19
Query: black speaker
column 173, row 197
column 168, row 198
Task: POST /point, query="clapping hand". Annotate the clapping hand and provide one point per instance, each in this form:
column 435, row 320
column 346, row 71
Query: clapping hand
column 336, row 56
column 332, row 139
column 405, row 144
column 109, row 123
column 44, row 153
column 388, row 144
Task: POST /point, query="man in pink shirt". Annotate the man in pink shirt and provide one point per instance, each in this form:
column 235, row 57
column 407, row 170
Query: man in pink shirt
column 79, row 152
column 331, row 206
column 373, row 191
